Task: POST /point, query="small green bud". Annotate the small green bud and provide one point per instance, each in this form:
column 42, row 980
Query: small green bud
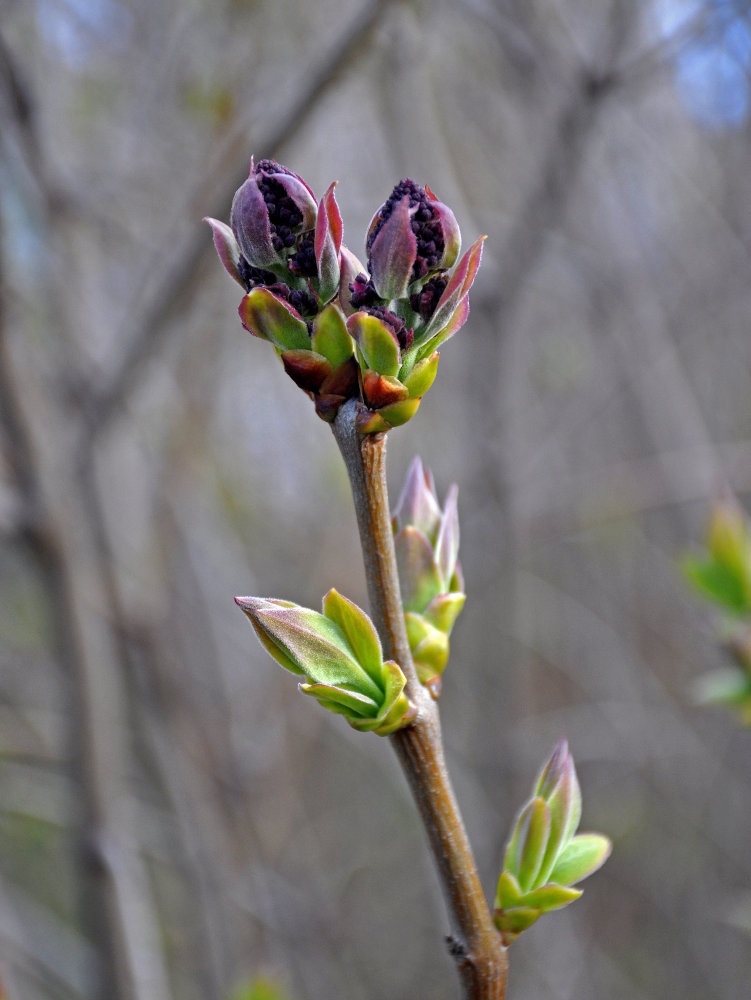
column 723, row 575
column 339, row 654
column 427, row 549
column 544, row 858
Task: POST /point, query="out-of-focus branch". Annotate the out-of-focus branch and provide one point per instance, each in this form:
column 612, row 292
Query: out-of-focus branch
column 176, row 290
column 39, row 533
column 112, row 912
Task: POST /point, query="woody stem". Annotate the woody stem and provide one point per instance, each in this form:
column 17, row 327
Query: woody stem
column 474, row 944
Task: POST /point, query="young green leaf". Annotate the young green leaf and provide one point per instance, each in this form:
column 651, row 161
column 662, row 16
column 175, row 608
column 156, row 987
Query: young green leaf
column 583, row 856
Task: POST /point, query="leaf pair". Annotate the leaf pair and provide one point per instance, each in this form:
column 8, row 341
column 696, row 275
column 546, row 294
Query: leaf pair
column 544, row 859
column 339, row 654
column 430, row 578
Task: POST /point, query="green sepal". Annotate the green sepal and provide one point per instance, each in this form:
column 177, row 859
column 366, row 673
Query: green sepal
column 267, row 316
column 534, row 825
column 508, row 892
column 347, row 701
column 360, row 633
column 377, row 343
column 330, row 337
column 419, row 579
column 382, row 390
column 511, row 923
column 397, row 414
column 395, row 711
column 431, row 655
column 371, row 422
column 581, row 857
column 551, row 897
column 443, row 610
column 418, row 628
column 422, row 376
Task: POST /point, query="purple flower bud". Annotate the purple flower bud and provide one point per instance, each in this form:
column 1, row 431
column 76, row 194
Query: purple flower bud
column 328, row 244
column 402, row 332
column 411, row 236
column 269, row 212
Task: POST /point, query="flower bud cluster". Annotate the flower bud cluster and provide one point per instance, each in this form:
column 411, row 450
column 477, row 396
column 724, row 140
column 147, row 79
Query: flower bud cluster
column 544, row 858
column 339, row 655
column 430, row 577
column 344, row 333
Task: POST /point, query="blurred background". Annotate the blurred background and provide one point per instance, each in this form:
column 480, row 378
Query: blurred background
column 175, row 820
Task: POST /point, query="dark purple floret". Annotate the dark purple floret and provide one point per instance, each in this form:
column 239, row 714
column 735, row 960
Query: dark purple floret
column 425, row 301
column 404, row 334
column 254, row 276
column 302, row 301
column 425, row 225
column 303, row 262
column 284, row 215
column 363, row 292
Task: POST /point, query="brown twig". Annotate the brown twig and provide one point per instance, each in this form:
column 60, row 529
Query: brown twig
column 475, row 944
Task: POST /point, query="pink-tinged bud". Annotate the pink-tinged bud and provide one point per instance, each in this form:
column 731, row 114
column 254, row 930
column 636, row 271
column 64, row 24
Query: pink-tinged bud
column 269, row 211
column 411, row 236
column 227, row 248
column 306, row 642
column 418, row 505
column 453, row 304
column 392, row 251
column 447, row 542
column 328, row 242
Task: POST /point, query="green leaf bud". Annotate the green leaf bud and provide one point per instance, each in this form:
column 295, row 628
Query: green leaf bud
column 339, row 654
column 582, row 856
